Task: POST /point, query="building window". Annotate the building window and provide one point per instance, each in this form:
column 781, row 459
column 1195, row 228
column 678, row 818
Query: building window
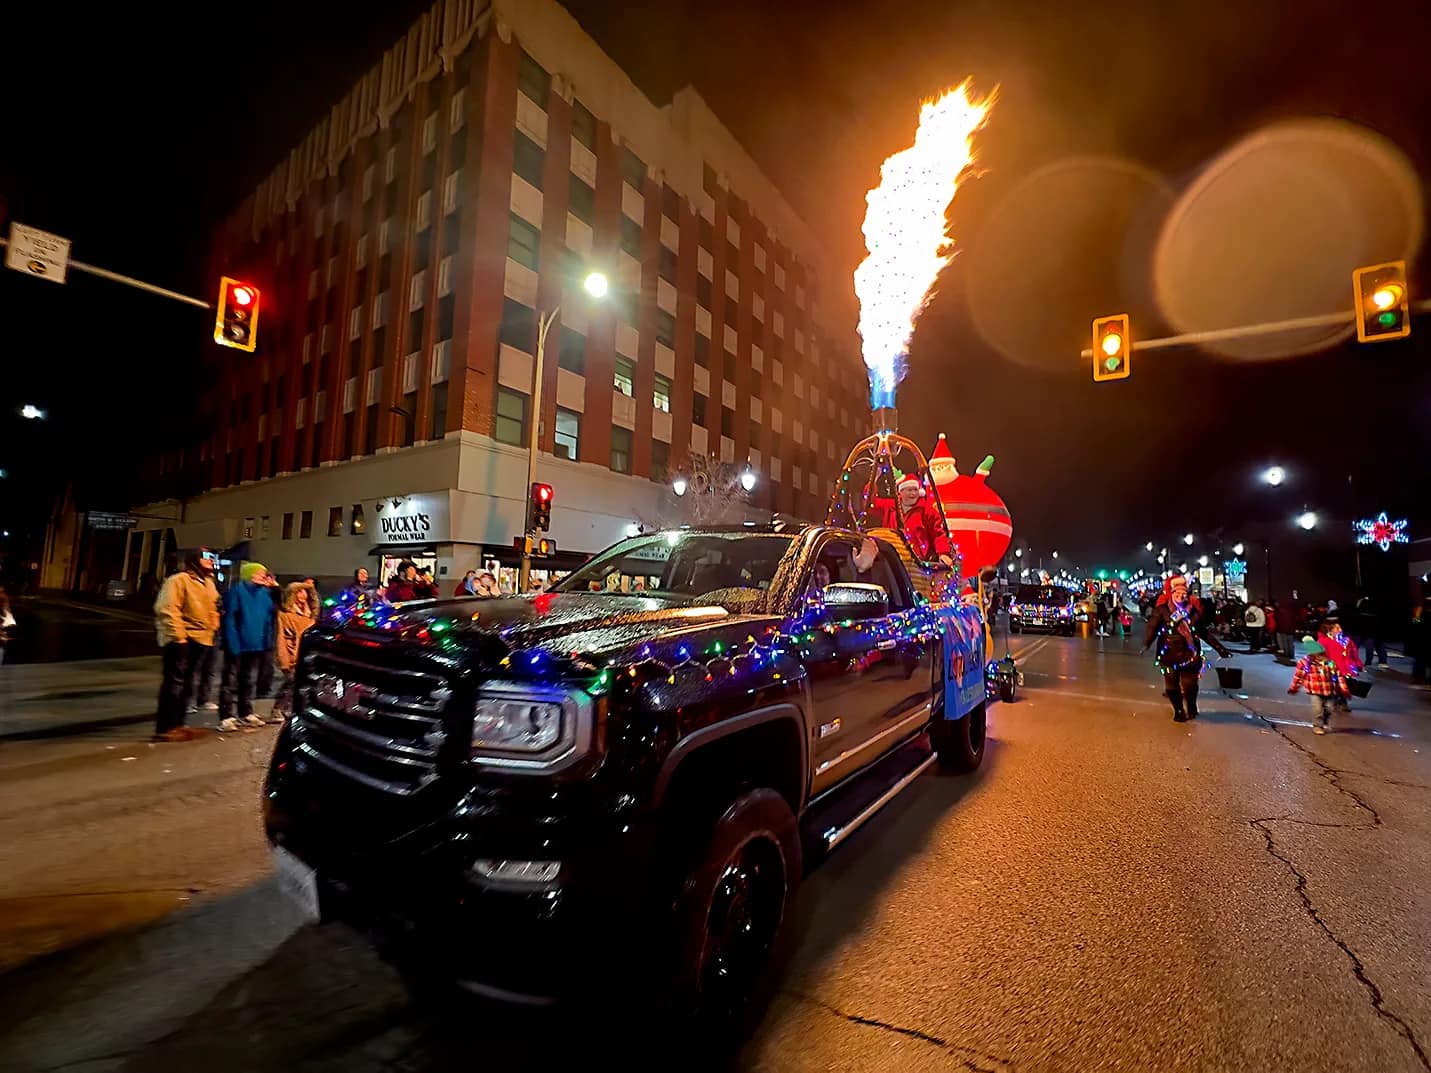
column 621, row 449
column 633, row 169
column 519, row 326
column 668, row 265
column 732, row 310
column 360, row 523
column 533, row 80
column 631, row 237
column 727, row 422
column 511, row 423
column 706, row 233
column 670, row 203
column 698, row 410
column 523, row 242
column 288, row 526
column 571, row 351
column 728, row 367
column 703, row 291
column 625, row 377
column 660, row 459
column 661, row 400
column 710, row 182
column 335, row 521
column 582, row 201
column 568, row 433
column 305, row 525
column 528, row 160
column 583, row 125
column 439, row 412
column 665, row 328
column 703, row 351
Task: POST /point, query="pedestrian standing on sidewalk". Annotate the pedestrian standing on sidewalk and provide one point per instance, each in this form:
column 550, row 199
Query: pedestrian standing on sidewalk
column 248, row 631
column 1179, row 627
column 1368, row 631
column 1318, row 675
column 1287, row 630
column 1418, row 643
column 186, row 617
column 1255, row 620
column 292, row 621
column 7, row 622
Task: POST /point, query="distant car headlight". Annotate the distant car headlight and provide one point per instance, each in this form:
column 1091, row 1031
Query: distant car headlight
column 526, row 727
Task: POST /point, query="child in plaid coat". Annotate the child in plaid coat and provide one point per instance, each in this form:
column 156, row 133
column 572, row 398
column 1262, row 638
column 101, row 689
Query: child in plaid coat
column 1319, row 676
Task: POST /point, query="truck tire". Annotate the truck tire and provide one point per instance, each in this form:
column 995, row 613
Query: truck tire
column 732, row 912
column 960, row 742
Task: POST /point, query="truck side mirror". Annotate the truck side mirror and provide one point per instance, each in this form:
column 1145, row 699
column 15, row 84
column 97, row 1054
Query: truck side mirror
column 856, row 600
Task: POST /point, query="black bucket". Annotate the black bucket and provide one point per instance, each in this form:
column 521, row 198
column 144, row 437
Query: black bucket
column 1358, row 687
column 1229, row 677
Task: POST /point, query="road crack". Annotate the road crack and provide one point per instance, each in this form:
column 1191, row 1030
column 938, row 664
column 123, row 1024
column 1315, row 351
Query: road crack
column 1373, row 823
column 971, row 1058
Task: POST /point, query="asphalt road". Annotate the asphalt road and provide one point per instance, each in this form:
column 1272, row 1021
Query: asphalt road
column 1111, row 891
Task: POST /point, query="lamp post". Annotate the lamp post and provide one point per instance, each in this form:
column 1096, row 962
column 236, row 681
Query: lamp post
column 596, row 286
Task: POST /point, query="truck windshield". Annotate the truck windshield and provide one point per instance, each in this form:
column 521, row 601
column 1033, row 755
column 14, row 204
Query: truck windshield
column 732, row 570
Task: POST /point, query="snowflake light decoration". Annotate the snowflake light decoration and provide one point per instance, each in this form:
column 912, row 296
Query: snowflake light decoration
column 1382, row 532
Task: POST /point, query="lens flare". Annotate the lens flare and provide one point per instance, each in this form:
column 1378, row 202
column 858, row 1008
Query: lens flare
column 907, row 235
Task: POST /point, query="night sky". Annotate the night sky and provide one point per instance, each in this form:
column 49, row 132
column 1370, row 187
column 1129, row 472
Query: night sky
column 1108, row 116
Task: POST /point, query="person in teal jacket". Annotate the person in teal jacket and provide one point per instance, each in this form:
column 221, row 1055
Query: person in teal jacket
column 247, row 634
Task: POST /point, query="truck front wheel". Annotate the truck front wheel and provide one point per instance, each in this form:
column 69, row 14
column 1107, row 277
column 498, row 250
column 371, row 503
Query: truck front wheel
column 732, row 911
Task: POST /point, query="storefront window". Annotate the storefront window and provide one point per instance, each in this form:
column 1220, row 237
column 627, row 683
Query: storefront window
column 335, row 521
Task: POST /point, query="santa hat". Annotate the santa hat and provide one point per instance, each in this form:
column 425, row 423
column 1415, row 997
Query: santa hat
column 909, row 480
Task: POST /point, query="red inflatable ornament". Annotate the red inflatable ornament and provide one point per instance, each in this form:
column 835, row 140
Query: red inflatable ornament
column 979, row 522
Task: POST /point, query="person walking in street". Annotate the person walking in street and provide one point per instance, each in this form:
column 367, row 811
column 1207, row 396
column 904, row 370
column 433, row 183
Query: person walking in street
column 248, row 633
column 293, row 620
column 1178, row 627
column 186, row 617
column 1318, row 675
column 1368, row 632
column 1255, row 620
column 1342, row 651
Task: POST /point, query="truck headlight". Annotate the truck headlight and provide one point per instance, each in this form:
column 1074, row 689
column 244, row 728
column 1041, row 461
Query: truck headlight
column 516, row 725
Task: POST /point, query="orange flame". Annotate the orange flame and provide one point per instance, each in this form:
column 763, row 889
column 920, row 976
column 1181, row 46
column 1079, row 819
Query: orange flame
column 906, row 232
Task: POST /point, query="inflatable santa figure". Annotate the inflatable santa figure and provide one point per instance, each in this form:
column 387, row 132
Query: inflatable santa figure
column 979, row 522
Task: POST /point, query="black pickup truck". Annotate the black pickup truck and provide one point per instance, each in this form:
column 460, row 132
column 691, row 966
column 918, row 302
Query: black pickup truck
column 529, row 791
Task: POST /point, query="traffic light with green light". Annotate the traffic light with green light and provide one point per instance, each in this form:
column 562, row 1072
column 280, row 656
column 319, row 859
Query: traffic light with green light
column 1111, row 348
column 236, row 324
column 1383, row 304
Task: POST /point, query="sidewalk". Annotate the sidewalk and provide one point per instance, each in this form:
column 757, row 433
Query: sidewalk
column 56, row 700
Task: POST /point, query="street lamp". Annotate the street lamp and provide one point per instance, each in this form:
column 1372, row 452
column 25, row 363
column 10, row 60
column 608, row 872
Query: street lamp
column 31, row 412
column 679, row 485
column 1188, row 539
column 748, row 478
column 1307, row 520
column 1238, row 549
column 1055, row 554
column 1149, row 545
column 1274, row 475
column 1202, row 560
column 596, row 286
column 1019, row 553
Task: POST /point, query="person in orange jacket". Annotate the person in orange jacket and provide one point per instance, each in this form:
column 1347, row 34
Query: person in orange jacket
column 293, row 620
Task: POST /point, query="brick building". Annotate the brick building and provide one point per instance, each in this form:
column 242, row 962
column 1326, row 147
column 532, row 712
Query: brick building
column 406, row 250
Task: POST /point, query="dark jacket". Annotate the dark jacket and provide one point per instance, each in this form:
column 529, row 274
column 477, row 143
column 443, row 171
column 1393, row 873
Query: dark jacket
column 1174, row 650
column 248, row 615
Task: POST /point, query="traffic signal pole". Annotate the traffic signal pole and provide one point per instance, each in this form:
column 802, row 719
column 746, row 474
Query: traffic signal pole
column 130, row 281
column 1248, row 331
column 524, row 575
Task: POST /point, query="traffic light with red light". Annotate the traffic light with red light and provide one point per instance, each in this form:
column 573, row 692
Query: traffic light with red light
column 539, row 508
column 1383, row 303
column 1112, row 346
column 236, row 324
